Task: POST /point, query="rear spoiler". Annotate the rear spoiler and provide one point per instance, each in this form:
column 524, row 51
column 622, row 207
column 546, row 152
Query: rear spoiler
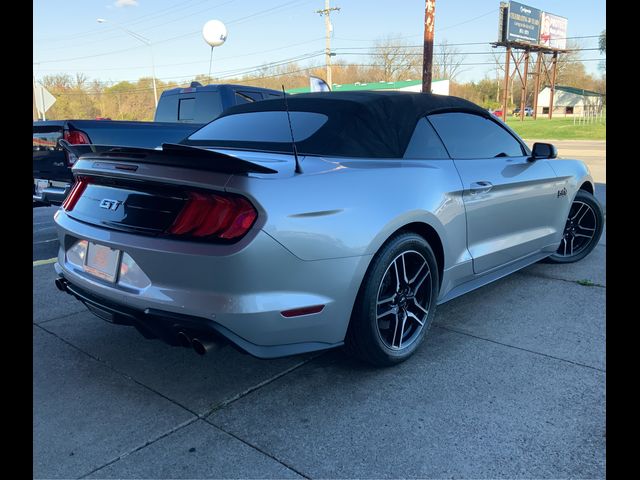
column 171, row 154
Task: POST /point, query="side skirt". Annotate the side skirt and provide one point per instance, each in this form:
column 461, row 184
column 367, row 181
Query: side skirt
column 492, row 276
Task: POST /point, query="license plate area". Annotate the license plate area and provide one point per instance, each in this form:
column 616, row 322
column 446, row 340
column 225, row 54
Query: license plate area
column 102, row 262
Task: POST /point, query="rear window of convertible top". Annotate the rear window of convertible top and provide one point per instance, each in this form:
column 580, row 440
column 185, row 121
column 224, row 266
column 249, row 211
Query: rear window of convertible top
column 261, row 127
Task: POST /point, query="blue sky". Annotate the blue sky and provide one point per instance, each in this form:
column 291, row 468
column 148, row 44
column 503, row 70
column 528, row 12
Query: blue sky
column 67, row 38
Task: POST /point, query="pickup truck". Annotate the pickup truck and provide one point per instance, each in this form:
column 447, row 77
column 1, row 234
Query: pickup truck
column 180, row 112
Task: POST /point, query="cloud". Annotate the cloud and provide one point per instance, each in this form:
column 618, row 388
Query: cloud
column 126, row 3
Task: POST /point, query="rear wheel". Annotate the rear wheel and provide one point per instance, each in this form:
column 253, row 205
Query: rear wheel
column 396, row 303
column 582, row 229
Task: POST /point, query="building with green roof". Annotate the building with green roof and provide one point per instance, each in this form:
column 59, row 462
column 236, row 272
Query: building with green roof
column 440, row 87
column 570, row 101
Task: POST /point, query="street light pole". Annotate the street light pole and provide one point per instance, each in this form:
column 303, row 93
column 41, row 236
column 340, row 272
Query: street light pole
column 147, row 42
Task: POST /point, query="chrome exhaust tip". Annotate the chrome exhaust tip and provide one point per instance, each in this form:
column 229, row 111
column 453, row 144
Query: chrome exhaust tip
column 203, row 346
column 61, row 284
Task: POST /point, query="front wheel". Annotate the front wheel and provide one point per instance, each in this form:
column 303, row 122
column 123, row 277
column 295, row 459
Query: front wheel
column 582, row 230
column 396, row 303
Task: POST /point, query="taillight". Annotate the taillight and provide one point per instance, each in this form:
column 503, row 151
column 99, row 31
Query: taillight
column 76, row 192
column 75, row 137
column 214, row 215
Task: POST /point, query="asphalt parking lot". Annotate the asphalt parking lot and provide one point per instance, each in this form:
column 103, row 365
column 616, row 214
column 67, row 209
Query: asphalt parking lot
column 510, row 383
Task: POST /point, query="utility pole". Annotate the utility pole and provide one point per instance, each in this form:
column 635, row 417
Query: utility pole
column 427, row 56
column 326, row 13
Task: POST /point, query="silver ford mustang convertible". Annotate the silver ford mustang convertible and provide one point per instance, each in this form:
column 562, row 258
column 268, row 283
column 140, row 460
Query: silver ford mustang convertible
column 328, row 219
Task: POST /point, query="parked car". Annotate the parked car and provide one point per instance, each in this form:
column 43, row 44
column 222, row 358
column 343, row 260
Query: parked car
column 180, row 111
column 528, row 112
column 497, row 113
column 394, row 203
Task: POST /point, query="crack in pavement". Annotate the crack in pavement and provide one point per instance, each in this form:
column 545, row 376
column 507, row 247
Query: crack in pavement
column 258, row 449
column 197, row 416
column 549, row 277
column 462, row 332
column 64, row 315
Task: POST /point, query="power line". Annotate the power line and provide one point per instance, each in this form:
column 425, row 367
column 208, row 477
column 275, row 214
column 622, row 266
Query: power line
column 261, row 13
column 190, row 63
column 142, row 18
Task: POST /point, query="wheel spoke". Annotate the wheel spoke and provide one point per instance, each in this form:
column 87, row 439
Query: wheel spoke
column 386, row 300
column 388, row 312
column 585, row 212
column 586, row 228
column 565, row 246
column 417, row 273
column 404, row 320
column 415, row 302
column 571, row 251
column 395, row 266
column 395, row 330
column 424, row 277
column 578, row 212
column 404, row 270
column 582, row 235
column 412, row 315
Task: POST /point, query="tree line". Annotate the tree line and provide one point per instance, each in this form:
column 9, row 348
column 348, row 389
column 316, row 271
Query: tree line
column 390, row 59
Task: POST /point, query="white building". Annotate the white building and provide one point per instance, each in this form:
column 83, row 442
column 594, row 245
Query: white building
column 570, row 101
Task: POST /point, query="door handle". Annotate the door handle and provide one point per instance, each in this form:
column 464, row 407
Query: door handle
column 480, row 187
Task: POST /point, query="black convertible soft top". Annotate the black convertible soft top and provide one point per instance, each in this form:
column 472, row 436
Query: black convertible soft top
column 376, row 124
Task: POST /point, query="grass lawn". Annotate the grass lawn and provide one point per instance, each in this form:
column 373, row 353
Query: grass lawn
column 557, row 129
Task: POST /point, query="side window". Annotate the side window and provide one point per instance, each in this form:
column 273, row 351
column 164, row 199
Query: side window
column 471, row 136
column 273, row 95
column 425, row 143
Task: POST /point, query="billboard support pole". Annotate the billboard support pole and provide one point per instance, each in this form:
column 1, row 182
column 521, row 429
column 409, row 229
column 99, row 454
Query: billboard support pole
column 505, row 97
column 536, row 87
column 554, row 64
column 523, row 96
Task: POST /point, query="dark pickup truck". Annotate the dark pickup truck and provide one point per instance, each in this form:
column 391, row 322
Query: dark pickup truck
column 180, row 112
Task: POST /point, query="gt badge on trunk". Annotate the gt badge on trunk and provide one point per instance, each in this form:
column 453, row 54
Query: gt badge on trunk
column 110, row 204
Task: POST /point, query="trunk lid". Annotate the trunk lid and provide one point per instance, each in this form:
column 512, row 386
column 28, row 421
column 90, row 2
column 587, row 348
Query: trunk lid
column 147, row 191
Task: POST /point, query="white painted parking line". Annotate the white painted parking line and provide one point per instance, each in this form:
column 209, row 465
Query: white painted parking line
column 37, row 263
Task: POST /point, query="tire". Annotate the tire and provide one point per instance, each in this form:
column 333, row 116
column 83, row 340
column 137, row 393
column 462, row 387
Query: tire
column 382, row 338
column 585, row 220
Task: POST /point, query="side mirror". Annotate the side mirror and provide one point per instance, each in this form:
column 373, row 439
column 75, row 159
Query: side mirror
column 543, row 150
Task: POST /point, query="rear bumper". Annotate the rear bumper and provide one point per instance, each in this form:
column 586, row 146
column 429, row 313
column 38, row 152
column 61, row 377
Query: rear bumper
column 236, row 291
column 166, row 325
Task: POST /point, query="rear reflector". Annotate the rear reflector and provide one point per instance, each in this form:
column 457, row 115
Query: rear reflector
column 75, row 193
column 214, row 215
column 297, row 312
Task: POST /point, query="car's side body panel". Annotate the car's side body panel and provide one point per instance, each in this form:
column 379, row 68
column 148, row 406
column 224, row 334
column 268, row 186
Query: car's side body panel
column 514, row 215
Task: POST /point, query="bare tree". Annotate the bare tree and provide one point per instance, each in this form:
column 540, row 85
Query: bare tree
column 448, row 61
column 393, row 58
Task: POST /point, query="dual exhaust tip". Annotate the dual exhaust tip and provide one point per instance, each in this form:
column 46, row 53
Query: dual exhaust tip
column 201, row 346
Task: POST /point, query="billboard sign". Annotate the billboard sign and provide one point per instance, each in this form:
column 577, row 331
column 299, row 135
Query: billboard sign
column 523, row 24
column 553, row 31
